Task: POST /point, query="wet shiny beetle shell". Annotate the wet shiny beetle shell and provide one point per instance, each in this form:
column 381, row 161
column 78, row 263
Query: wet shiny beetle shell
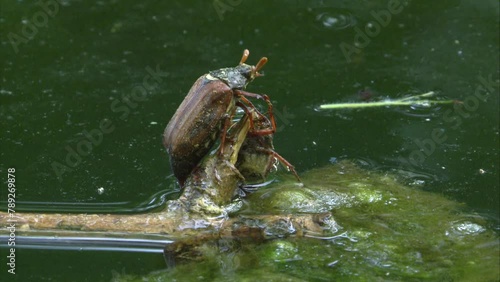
column 199, row 120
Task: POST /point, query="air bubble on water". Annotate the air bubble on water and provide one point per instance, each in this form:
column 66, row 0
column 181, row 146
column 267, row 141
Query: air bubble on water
column 68, row 120
column 420, row 105
column 329, row 21
column 465, row 228
column 335, row 20
column 3, row 91
column 417, row 182
column 100, row 190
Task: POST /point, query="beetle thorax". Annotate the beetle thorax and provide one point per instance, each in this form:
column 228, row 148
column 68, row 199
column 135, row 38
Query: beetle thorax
column 236, row 78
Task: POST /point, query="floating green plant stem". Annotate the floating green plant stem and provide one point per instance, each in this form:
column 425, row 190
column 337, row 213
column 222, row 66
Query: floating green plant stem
column 415, row 100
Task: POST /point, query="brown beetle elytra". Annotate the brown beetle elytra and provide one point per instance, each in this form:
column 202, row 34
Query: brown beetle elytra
column 205, row 114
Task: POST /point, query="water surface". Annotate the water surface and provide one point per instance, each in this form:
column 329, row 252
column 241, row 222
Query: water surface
column 80, row 72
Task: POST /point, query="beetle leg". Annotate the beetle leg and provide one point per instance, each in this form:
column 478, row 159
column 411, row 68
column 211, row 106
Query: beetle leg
column 248, row 104
column 271, row 120
column 270, row 112
column 247, row 112
column 227, row 123
column 248, row 94
column 263, row 119
column 288, row 165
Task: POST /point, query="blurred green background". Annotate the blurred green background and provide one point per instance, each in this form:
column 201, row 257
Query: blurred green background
column 83, row 61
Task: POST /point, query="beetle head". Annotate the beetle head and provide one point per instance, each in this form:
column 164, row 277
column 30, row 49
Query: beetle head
column 239, row 76
column 250, row 72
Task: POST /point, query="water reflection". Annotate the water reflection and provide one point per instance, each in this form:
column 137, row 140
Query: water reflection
column 156, row 201
column 81, row 241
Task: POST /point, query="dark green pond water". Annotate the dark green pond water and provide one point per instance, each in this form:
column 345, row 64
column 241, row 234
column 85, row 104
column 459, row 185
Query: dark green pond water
column 74, row 69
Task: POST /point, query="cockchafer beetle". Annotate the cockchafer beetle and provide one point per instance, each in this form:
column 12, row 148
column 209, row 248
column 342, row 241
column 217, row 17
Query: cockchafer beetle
column 205, row 114
column 257, row 157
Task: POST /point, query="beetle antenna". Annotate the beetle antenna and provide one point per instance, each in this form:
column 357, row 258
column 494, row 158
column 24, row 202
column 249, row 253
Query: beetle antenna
column 244, row 58
column 260, row 65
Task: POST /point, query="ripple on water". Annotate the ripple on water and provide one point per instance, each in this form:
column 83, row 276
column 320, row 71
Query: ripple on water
column 334, row 19
column 422, row 109
column 464, row 228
